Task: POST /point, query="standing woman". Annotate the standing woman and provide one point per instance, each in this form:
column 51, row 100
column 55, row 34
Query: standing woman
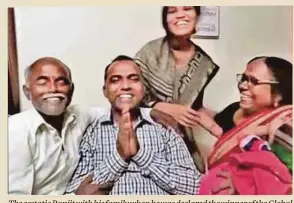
column 176, row 72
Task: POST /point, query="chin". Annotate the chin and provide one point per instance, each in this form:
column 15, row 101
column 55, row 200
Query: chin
column 245, row 106
column 120, row 108
column 53, row 110
column 183, row 35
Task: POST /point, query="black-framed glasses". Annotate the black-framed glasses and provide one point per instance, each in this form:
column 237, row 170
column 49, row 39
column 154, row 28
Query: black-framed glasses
column 253, row 81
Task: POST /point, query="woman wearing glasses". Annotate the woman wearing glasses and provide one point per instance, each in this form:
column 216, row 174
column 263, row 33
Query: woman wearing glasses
column 260, row 124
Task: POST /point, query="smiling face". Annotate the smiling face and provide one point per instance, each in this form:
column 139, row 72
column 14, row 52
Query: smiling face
column 254, row 98
column 48, row 87
column 181, row 20
column 123, row 86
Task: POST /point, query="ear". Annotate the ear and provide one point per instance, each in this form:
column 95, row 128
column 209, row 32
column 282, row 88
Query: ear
column 277, row 100
column 71, row 90
column 27, row 92
column 104, row 92
column 70, row 93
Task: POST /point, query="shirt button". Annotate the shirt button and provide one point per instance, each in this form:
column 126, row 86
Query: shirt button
column 146, row 173
column 172, row 185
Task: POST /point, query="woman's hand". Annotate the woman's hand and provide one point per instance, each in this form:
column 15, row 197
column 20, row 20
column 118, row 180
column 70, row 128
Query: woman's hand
column 273, row 126
column 165, row 120
column 268, row 130
column 188, row 117
column 183, row 115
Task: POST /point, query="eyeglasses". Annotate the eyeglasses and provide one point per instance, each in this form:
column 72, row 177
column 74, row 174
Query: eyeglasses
column 253, row 81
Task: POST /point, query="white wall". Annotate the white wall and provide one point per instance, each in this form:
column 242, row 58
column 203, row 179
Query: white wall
column 88, row 38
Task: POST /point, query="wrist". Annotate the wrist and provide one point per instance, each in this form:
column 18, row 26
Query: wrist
column 215, row 130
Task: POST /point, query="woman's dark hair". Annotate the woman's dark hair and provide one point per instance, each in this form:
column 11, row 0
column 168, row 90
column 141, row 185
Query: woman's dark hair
column 164, row 15
column 282, row 71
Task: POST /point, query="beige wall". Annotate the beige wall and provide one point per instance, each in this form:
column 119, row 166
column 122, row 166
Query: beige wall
column 88, row 38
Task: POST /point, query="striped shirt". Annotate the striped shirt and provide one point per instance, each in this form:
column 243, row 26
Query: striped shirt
column 163, row 164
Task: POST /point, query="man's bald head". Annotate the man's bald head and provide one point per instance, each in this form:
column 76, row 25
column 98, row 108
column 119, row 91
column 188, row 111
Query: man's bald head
column 43, row 61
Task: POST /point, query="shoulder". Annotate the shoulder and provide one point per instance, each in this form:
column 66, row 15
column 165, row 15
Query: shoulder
column 199, row 49
column 94, row 131
column 20, row 121
column 167, row 133
column 21, row 129
column 97, row 121
column 227, row 113
column 151, row 47
column 232, row 108
column 86, row 114
column 154, row 42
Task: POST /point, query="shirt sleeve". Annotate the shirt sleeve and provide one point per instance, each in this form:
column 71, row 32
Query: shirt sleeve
column 85, row 165
column 174, row 171
column 20, row 161
column 111, row 169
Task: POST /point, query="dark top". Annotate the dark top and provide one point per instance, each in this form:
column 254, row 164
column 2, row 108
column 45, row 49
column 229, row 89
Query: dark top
column 225, row 118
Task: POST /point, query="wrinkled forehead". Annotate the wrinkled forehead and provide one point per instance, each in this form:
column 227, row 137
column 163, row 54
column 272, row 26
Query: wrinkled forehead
column 123, row 68
column 49, row 69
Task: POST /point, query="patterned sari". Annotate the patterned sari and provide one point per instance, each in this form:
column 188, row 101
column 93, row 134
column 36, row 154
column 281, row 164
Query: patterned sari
column 282, row 146
column 253, row 169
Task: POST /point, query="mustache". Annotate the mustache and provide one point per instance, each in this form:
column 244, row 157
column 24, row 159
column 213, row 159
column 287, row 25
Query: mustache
column 52, row 95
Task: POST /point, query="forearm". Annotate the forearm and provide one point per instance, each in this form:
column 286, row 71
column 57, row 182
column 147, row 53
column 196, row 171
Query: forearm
column 164, row 107
column 110, row 169
column 173, row 178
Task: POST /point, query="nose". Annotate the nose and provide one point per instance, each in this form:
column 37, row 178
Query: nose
column 180, row 13
column 52, row 87
column 243, row 85
column 125, row 85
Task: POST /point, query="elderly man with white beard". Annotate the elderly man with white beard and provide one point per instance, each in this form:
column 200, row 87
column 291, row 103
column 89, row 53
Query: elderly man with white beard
column 44, row 140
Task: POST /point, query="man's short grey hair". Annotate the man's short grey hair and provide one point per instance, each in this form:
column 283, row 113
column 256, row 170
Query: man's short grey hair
column 47, row 60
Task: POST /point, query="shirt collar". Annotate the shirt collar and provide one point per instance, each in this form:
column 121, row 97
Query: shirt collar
column 144, row 116
column 38, row 120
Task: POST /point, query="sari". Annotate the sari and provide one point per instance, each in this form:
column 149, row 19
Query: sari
column 185, row 86
column 229, row 142
column 227, row 152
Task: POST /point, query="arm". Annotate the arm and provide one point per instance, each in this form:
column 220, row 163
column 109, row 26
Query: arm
column 103, row 171
column 188, row 117
column 110, row 169
column 20, row 161
column 85, row 165
column 174, row 171
column 81, row 182
column 95, row 113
